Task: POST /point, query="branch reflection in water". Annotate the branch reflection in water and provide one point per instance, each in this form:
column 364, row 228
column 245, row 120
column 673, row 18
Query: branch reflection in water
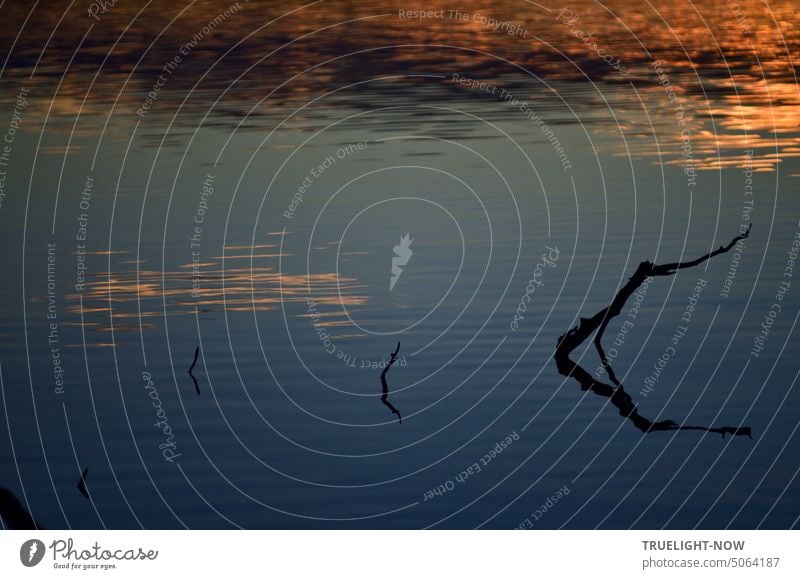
column 598, row 323
column 14, row 514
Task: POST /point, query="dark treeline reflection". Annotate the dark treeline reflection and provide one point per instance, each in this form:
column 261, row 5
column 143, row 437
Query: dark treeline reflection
column 281, row 53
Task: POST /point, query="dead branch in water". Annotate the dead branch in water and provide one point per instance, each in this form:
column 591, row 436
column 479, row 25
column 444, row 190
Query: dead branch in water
column 597, row 325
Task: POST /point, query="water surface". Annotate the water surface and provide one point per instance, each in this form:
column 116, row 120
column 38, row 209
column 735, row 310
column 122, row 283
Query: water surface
column 251, row 205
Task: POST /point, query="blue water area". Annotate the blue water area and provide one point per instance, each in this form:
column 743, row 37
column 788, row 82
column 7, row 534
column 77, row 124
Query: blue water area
column 303, row 196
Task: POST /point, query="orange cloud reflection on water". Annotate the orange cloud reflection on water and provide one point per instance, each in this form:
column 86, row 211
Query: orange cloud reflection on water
column 236, row 290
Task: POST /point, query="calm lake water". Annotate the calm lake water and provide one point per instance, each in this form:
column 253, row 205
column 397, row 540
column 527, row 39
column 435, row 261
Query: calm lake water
column 282, row 194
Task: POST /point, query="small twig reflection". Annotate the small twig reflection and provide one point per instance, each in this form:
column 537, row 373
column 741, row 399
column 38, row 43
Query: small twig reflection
column 82, row 483
column 189, row 371
column 385, row 386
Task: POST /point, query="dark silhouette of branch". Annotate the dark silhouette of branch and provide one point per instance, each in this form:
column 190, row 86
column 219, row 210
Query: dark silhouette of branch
column 14, row 515
column 598, row 323
column 82, row 483
column 385, row 386
column 189, row 371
